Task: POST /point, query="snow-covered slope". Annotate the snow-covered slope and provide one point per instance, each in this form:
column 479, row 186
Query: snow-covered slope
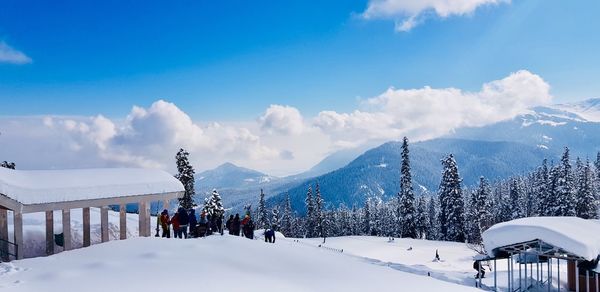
column 588, row 109
column 216, row 263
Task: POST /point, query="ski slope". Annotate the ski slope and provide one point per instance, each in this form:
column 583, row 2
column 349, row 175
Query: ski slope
column 224, row 263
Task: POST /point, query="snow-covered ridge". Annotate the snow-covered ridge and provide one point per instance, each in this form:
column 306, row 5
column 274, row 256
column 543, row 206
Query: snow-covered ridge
column 47, row 186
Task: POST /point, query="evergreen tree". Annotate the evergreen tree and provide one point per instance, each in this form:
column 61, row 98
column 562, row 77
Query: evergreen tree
column 275, row 219
column 517, row 197
column 541, row 187
column 213, row 205
column 407, row 197
column 564, row 188
column 367, row 218
column 432, row 232
column 262, row 219
column 452, row 209
column 422, row 221
column 186, row 176
column 479, row 216
column 586, row 203
column 286, row 219
column 552, row 200
column 319, row 213
column 310, row 225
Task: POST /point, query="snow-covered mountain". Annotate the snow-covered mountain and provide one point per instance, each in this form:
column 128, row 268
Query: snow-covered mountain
column 377, row 171
column 496, row 151
column 229, row 175
column 575, row 125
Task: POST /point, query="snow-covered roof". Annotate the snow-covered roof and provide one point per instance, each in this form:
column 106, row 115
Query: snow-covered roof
column 51, row 186
column 575, row 235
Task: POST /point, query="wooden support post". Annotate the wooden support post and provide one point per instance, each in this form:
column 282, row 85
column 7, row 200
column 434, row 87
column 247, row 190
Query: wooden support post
column 18, row 233
column 49, row 232
column 123, row 221
column 147, row 219
column 87, row 240
column 4, row 234
column 142, row 219
column 66, row 224
column 104, row 223
column 165, row 205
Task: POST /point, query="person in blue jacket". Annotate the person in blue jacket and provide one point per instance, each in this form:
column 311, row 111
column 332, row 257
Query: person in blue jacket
column 193, row 223
column 270, row 235
column 184, row 220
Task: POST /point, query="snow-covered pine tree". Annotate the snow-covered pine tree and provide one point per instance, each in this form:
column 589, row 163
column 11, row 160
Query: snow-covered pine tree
column 541, row 184
column 9, row 165
column 319, row 212
column 367, row 218
column 422, row 222
column 552, row 201
column 213, row 205
column 286, row 219
column 310, row 225
column 586, row 203
column 479, row 215
column 185, row 174
column 564, row 190
column 355, row 221
column 432, row 231
column 452, row 208
column 275, row 219
column 407, row 197
column 517, row 198
column 262, row 218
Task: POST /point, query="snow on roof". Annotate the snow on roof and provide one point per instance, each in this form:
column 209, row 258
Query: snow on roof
column 50, row 186
column 575, row 235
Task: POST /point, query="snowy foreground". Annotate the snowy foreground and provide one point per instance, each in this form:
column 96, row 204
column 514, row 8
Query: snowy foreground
column 217, row 262
column 371, row 263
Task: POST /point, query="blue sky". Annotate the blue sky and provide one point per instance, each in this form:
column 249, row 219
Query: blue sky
column 228, row 60
column 275, row 85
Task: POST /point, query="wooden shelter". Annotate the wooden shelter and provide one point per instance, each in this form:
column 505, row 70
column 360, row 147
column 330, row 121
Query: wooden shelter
column 535, row 247
column 47, row 191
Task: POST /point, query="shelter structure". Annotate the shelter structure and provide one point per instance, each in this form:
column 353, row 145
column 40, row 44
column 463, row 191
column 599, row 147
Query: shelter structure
column 534, row 248
column 23, row 192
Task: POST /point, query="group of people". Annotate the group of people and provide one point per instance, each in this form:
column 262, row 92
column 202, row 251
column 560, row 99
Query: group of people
column 185, row 224
column 246, row 226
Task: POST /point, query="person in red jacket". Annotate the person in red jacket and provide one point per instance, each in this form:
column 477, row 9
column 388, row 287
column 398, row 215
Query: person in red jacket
column 175, row 223
column 165, row 221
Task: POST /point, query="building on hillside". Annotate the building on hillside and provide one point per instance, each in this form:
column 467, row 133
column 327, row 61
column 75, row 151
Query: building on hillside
column 536, row 248
column 23, row 192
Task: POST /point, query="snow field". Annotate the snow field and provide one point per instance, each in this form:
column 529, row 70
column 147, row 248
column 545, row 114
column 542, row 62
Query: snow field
column 216, row 262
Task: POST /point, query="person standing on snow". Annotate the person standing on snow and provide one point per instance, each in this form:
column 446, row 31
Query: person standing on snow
column 193, row 223
column 235, row 225
column 219, row 223
column 175, row 223
column 228, row 224
column 184, row 220
column 270, row 235
column 164, row 223
column 248, row 227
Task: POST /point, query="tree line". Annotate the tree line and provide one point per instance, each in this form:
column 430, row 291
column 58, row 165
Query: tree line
column 454, row 212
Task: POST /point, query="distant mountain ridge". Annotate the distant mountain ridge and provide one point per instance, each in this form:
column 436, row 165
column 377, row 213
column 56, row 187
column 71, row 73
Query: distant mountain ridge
column 495, row 151
column 376, row 173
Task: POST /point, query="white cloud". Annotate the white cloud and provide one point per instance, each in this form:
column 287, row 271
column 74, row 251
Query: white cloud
column 428, row 113
column 280, row 142
column 12, row 56
column 409, row 13
column 147, row 137
column 282, row 119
